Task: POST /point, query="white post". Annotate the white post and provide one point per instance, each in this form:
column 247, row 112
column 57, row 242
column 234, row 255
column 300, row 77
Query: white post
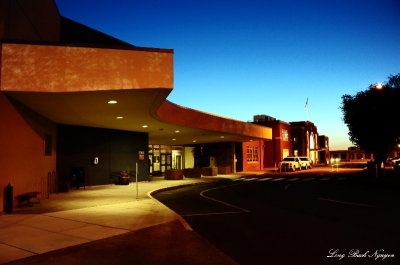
column 137, row 184
column 233, row 158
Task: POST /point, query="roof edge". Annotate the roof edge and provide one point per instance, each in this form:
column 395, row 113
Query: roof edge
column 82, row 45
column 187, row 117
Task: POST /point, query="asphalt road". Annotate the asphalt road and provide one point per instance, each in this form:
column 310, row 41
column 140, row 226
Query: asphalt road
column 302, row 218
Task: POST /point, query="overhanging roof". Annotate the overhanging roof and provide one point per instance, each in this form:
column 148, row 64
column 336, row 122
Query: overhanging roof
column 138, row 108
column 72, row 85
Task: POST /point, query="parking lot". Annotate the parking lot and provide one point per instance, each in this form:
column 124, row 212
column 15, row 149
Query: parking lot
column 297, row 217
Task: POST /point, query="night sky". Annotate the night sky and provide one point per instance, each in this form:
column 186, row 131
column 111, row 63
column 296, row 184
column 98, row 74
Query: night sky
column 242, row 58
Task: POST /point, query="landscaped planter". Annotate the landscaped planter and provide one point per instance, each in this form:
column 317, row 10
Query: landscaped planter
column 63, row 186
column 192, row 172
column 210, row 171
column 173, row 174
column 224, row 170
column 123, row 180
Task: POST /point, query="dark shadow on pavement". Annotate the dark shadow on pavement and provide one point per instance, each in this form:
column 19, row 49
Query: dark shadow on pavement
column 167, row 244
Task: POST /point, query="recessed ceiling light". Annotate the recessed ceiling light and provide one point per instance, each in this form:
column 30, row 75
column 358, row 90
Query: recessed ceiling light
column 177, row 131
column 145, row 126
column 194, row 141
column 173, row 139
column 119, row 117
column 222, row 136
column 112, row 101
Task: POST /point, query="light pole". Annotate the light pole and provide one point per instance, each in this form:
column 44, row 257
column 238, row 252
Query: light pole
column 377, row 86
column 337, row 164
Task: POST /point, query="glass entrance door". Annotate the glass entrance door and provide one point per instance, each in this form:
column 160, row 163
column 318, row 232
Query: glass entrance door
column 160, row 159
column 178, row 162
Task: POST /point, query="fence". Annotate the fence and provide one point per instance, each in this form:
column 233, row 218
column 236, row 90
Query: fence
column 49, row 184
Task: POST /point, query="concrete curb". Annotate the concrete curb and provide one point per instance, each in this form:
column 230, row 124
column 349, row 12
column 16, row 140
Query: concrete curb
column 180, row 218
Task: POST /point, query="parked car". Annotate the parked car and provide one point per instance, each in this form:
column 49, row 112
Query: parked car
column 305, row 162
column 290, row 163
column 396, row 165
column 394, row 160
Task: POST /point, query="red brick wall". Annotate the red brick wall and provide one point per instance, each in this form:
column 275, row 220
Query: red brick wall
column 280, row 143
column 252, row 166
column 274, row 149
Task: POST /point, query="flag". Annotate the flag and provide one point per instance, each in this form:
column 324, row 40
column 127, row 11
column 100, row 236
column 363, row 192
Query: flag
column 306, row 105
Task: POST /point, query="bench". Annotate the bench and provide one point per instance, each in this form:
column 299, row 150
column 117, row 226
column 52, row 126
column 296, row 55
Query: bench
column 25, row 199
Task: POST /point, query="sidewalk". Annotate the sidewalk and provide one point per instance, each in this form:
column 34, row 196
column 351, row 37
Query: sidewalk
column 100, row 215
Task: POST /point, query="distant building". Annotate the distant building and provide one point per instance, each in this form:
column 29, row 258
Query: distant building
column 280, row 146
column 352, row 154
column 288, row 139
column 324, row 152
column 305, row 140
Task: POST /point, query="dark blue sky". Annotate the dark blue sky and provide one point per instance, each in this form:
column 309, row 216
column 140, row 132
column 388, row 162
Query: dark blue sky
column 246, row 57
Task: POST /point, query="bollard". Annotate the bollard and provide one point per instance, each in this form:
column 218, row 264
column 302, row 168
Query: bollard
column 8, row 199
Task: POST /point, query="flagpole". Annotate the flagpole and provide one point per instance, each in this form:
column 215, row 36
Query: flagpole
column 306, row 110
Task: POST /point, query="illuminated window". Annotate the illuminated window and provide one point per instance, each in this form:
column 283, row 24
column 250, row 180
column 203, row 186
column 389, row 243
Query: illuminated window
column 252, row 153
column 285, row 153
column 285, row 135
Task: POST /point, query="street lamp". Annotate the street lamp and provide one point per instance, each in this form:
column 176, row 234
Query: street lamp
column 337, row 164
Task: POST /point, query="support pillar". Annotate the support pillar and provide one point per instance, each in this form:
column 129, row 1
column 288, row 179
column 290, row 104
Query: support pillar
column 233, row 158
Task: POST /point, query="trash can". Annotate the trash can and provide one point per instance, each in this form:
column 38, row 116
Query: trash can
column 8, row 199
column 78, row 177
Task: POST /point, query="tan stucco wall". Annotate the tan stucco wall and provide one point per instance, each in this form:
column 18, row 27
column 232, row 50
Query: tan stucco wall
column 43, row 68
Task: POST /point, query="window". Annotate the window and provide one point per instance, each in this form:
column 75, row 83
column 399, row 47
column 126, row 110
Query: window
column 285, row 153
column 285, row 135
column 48, row 145
column 312, row 143
column 252, row 153
column 296, row 152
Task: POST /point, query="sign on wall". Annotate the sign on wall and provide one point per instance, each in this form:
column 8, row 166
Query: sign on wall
column 141, row 155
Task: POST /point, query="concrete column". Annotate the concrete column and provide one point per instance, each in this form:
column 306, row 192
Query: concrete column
column 233, row 158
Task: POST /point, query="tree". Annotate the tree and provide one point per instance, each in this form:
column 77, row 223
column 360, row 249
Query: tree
column 372, row 118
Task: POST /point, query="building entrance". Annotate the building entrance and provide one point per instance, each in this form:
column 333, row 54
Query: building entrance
column 164, row 157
